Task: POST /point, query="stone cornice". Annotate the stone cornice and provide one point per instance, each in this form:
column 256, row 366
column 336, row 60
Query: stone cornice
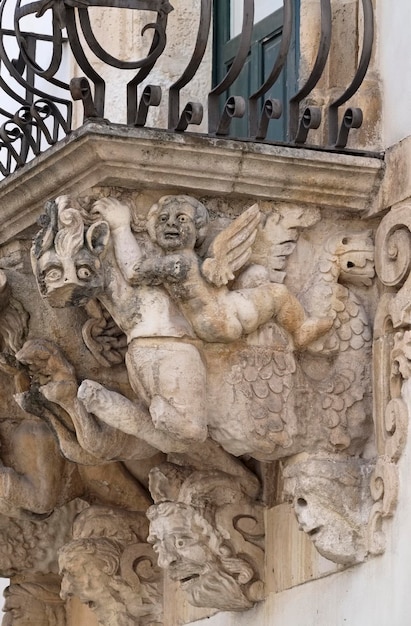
column 114, row 155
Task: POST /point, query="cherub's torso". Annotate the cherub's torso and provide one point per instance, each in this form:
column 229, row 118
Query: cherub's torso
column 143, row 310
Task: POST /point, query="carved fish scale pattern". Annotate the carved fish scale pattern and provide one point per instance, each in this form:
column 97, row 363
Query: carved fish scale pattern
column 264, row 377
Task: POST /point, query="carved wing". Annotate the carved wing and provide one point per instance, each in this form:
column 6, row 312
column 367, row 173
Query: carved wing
column 231, row 249
column 278, row 236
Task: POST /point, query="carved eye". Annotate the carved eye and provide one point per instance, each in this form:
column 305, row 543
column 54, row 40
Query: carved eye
column 53, row 274
column 180, row 543
column 84, row 272
column 182, row 219
column 163, row 218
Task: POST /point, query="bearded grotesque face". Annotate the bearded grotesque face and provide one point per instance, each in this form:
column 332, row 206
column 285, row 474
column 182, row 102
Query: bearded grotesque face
column 196, row 555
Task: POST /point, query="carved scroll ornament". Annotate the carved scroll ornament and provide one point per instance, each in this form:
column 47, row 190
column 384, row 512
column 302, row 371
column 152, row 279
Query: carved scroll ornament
column 392, row 341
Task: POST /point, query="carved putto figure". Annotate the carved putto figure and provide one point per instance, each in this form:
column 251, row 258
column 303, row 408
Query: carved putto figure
column 178, row 313
column 209, row 536
column 178, row 224
column 69, row 269
column 221, row 358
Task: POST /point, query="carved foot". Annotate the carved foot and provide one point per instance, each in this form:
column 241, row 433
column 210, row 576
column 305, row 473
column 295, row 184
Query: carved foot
column 96, row 399
column 176, row 423
column 46, row 362
column 60, row 392
column 310, row 330
column 112, row 408
column 120, row 413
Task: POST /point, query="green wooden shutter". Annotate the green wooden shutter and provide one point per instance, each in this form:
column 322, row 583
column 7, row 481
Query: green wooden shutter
column 264, row 49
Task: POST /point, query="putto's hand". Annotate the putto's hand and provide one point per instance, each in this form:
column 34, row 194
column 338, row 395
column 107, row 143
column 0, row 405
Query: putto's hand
column 114, row 212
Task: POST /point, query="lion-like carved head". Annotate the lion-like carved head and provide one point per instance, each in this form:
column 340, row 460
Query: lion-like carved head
column 66, row 255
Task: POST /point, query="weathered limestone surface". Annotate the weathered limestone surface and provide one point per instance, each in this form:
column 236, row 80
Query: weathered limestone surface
column 186, row 357
column 110, row 155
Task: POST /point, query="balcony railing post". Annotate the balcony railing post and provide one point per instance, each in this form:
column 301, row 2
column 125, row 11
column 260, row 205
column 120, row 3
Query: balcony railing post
column 48, row 109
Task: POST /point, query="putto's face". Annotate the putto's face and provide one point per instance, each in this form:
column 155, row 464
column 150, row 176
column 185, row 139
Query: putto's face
column 74, row 583
column 175, row 227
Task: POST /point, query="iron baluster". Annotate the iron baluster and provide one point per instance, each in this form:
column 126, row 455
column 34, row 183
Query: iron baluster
column 233, row 108
column 311, row 117
column 353, row 116
column 272, row 109
column 132, row 99
column 193, row 112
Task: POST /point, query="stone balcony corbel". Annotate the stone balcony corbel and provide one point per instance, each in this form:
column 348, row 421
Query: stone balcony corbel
column 98, row 154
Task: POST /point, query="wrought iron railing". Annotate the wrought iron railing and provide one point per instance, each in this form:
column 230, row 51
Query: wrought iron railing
column 36, row 102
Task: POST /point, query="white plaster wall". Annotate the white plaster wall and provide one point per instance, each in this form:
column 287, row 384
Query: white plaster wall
column 393, row 22
column 376, row 593
column 4, row 582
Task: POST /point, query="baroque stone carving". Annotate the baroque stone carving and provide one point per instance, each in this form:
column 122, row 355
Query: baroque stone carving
column 222, row 359
column 392, row 341
column 29, row 558
column 332, row 502
column 41, row 479
column 209, row 536
column 112, row 569
column 34, row 603
column 252, row 406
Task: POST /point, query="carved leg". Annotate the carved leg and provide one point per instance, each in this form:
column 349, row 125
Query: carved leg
column 35, row 404
column 96, row 437
column 291, row 315
column 171, row 376
column 126, row 416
